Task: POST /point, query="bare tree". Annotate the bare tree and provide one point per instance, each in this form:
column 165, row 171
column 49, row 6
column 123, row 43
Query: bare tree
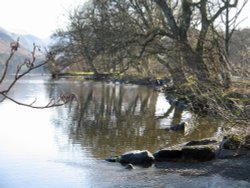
column 96, row 39
column 23, row 69
column 177, row 33
column 230, row 21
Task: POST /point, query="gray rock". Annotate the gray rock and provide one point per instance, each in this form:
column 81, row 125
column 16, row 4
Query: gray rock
column 199, row 153
column 168, row 155
column 227, row 153
column 201, row 150
column 137, row 157
column 129, row 167
column 247, row 142
column 113, row 159
column 201, row 142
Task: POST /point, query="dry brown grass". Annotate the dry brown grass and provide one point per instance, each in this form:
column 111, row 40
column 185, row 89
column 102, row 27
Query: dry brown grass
column 241, row 85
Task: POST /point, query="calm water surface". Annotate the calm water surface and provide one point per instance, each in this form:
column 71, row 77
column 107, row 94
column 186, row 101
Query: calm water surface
column 65, row 146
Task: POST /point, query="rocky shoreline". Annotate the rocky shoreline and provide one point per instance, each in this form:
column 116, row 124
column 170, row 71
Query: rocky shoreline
column 216, row 155
column 236, row 168
column 207, row 151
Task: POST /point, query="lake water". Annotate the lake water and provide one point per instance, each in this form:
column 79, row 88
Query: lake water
column 66, row 146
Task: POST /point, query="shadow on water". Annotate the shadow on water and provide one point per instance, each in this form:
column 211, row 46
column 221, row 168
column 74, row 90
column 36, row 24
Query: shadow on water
column 112, row 118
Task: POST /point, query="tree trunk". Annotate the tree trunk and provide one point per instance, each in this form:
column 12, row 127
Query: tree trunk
column 176, row 71
column 206, row 77
column 194, row 62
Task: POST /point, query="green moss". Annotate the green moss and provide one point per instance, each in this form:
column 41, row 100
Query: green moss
column 233, row 141
column 236, row 138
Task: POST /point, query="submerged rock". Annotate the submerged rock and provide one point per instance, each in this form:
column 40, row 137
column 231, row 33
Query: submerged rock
column 137, row 157
column 201, row 142
column 113, row 159
column 178, row 127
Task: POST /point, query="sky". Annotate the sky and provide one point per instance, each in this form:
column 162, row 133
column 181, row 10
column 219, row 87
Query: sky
column 42, row 17
column 38, row 17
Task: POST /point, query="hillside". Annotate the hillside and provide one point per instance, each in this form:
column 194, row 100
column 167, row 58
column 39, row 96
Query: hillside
column 24, row 51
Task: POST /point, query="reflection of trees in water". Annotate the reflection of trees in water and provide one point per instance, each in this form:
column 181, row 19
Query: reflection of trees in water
column 114, row 117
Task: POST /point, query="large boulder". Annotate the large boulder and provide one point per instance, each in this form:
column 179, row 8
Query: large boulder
column 168, row 155
column 197, row 150
column 200, row 150
column 199, row 153
column 137, row 157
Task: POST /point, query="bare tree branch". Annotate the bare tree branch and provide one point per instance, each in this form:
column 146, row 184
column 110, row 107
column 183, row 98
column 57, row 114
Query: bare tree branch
column 29, row 64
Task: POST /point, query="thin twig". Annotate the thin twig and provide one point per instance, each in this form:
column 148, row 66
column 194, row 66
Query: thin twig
column 30, row 64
